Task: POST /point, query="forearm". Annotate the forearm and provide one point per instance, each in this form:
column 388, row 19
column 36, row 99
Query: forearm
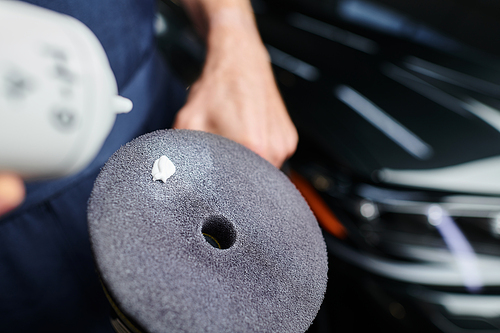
column 210, row 15
column 228, row 27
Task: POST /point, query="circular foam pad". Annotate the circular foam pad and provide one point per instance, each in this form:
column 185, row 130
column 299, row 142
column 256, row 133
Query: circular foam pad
column 226, row 244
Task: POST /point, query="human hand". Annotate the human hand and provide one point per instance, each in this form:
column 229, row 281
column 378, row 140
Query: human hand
column 12, row 192
column 236, row 95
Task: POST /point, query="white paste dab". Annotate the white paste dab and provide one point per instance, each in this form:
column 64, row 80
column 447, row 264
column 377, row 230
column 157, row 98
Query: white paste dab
column 163, row 168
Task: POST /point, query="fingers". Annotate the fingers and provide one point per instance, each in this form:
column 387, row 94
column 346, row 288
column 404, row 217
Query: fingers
column 278, row 140
column 270, row 134
column 281, row 143
column 12, row 192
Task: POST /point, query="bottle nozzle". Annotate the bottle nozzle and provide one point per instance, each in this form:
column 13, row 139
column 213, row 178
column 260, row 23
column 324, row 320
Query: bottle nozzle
column 122, row 104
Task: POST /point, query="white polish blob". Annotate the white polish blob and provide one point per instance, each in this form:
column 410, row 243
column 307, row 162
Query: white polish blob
column 163, row 168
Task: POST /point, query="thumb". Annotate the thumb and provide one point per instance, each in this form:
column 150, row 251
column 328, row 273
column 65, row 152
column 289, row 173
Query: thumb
column 12, row 192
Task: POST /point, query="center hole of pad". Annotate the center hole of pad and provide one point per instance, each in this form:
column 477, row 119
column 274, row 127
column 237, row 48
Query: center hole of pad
column 219, row 232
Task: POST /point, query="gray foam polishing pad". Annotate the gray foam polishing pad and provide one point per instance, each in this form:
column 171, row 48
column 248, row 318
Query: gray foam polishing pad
column 226, row 244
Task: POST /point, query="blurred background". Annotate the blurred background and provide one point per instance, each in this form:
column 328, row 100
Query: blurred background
column 397, row 104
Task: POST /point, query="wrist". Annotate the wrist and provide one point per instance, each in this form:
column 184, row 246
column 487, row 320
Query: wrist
column 232, row 31
column 210, row 15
